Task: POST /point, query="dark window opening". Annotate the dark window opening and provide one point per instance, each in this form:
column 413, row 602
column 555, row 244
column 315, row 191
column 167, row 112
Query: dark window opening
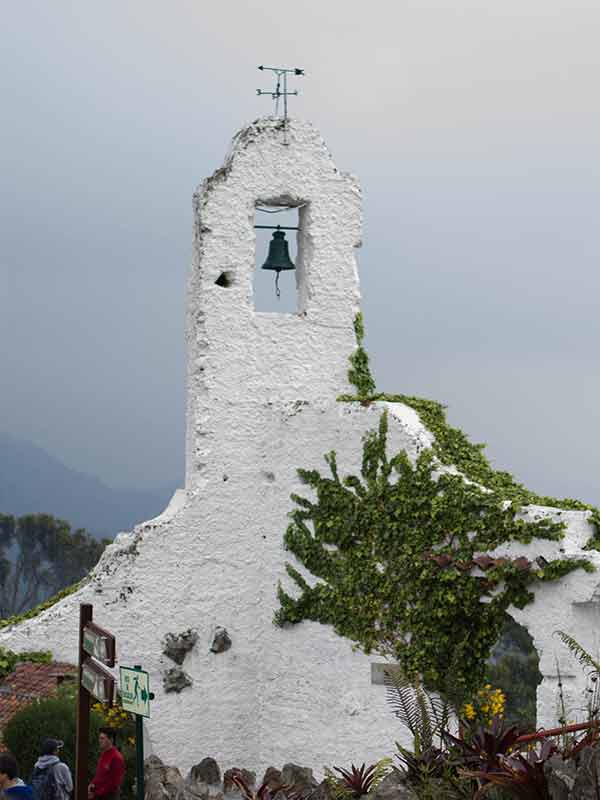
column 514, row 667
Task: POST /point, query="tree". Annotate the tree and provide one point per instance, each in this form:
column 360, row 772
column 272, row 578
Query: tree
column 39, row 556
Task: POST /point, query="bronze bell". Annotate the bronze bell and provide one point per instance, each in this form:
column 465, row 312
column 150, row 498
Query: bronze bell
column 278, row 258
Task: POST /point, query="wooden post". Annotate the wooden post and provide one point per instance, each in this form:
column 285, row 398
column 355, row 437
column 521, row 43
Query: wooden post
column 139, row 752
column 82, row 745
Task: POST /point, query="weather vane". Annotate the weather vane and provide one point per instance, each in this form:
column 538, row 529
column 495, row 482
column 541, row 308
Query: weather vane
column 280, row 89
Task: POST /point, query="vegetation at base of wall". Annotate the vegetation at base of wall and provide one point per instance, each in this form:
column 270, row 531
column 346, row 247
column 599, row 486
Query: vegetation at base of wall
column 375, row 541
column 9, row 659
column 484, row 755
column 356, row 782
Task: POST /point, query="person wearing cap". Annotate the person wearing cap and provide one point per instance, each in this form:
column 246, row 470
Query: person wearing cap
column 11, row 786
column 110, row 771
column 61, row 773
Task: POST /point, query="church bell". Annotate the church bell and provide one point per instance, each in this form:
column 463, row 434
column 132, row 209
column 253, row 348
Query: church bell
column 278, row 258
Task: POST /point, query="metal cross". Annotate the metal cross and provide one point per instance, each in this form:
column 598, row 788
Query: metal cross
column 278, row 92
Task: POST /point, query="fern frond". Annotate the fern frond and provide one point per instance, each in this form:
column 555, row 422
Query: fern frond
column 401, row 697
column 336, row 789
column 382, row 769
column 424, row 714
column 582, row 655
column 441, row 711
column 426, row 732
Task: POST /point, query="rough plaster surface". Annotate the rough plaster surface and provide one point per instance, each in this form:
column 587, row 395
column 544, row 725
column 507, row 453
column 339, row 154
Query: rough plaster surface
column 261, row 402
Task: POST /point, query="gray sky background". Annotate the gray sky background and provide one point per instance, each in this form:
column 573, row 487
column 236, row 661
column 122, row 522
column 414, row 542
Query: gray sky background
column 473, row 126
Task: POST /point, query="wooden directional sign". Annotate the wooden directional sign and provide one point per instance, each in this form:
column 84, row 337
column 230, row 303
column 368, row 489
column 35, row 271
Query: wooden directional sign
column 95, row 644
column 99, row 644
column 98, row 681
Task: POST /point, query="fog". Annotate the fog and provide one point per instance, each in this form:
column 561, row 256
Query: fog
column 473, row 128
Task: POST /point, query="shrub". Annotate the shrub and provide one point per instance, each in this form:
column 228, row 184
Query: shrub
column 54, row 717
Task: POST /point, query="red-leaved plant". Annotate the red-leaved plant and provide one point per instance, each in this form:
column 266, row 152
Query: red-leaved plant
column 482, row 745
column 357, row 781
column 521, row 776
column 265, row 791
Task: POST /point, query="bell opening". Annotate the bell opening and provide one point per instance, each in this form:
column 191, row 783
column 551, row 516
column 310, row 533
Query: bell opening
column 276, row 254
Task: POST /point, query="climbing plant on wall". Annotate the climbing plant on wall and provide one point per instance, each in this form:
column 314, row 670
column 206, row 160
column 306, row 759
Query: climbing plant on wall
column 393, row 549
column 451, row 446
column 359, row 373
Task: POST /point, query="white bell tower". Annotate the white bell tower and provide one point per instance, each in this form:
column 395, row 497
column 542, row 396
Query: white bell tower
column 261, row 403
column 240, row 360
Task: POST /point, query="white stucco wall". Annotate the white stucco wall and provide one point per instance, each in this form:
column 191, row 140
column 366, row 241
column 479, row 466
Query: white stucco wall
column 262, row 402
column 277, row 695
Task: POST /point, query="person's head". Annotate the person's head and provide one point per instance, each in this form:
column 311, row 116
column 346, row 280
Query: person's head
column 50, row 747
column 8, row 769
column 106, row 738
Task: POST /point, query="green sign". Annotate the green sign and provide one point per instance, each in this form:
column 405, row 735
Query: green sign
column 135, row 691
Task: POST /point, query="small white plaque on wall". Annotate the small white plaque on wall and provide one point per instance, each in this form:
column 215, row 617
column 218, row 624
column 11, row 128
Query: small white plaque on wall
column 378, row 672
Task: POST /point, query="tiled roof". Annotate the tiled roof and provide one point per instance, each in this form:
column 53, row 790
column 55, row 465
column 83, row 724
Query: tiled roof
column 30, row 682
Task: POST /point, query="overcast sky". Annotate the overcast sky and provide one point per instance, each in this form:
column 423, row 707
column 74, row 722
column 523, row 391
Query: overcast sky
column 473, row 126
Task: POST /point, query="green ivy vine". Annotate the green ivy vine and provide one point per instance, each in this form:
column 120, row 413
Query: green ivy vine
column 359, row 373
column 393, row 548
column 453, row 448
column 372, row 542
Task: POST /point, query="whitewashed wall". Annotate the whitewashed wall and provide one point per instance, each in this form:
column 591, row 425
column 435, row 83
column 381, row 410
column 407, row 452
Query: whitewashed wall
column 262, row 394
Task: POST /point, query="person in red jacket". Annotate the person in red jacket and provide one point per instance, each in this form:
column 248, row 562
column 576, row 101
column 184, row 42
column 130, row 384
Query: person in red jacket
column 110, row 770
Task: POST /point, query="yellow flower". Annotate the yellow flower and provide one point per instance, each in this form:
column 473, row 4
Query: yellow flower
column 469, row 711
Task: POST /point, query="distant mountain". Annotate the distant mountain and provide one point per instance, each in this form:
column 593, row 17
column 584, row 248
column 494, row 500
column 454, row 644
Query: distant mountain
column 32, row 481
